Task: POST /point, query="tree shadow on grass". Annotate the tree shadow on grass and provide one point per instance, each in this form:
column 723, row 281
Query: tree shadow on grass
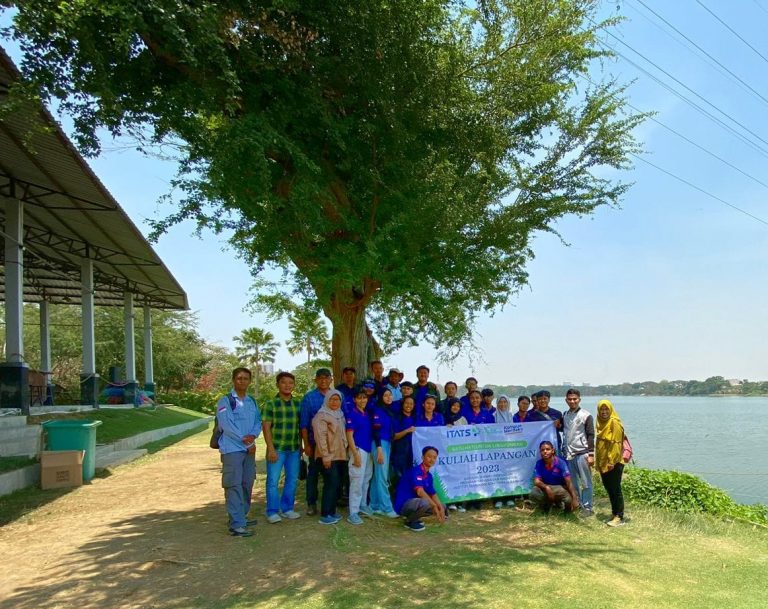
column 185, row 559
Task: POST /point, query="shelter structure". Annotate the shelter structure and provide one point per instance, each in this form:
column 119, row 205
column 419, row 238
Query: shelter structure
column 66, row 240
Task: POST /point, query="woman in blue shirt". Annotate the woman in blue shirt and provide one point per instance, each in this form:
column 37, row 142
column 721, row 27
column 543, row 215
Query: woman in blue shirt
column 402, row 451
column 383, row 423
column 429, row 417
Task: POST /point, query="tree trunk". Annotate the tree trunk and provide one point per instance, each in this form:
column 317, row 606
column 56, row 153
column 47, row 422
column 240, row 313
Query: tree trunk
column 350, row 343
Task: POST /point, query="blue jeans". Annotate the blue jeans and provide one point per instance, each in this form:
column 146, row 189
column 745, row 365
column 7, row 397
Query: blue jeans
column 238, row 471
column 581, row 477
column 288, row 459
column 380, row 498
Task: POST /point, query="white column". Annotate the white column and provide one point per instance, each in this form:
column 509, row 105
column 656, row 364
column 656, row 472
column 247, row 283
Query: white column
column 89, row 340
column 149, row 369
column 130, row 349
column 14, row 281
column 45, row 338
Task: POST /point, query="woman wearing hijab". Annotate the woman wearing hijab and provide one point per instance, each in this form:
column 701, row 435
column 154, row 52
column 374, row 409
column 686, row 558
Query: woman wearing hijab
column 383, row 430
column 453, row 415
column 329, row 427
column 503, row 414
column 401, row 459
column 608, row 457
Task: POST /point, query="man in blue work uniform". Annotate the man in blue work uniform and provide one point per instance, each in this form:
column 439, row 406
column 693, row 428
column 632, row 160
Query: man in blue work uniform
column 310, row 405
column 239, row 420
column 416, row 496
column 552, row 481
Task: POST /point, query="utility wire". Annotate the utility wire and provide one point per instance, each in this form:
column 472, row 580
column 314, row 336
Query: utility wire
column 704, row 149
column 688, row 101
column 701, row 190
column 711, row 57
column 730, row 29
column 761, row 7
column 687, row 88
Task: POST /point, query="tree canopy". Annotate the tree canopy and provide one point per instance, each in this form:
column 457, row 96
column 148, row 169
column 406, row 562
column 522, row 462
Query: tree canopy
column 393, row 157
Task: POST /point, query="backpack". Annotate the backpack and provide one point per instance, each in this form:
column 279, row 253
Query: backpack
column 626, row 451
column 217, row 431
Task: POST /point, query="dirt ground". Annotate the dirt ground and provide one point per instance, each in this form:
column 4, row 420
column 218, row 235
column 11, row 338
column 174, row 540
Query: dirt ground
column 153, row 534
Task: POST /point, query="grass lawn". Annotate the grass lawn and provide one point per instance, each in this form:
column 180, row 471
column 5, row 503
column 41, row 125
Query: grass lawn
column 502, row 559
column 123, row 423
column 8, row 464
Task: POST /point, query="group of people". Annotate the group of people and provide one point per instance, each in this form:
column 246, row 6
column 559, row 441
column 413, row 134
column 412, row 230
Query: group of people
column 357, row 438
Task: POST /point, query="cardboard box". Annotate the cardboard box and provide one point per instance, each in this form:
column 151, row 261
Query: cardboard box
column 61, row 468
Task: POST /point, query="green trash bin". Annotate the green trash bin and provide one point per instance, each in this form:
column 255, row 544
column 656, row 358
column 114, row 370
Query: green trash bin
column 74, row 434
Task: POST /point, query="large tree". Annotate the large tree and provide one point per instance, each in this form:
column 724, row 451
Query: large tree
column 393, row 157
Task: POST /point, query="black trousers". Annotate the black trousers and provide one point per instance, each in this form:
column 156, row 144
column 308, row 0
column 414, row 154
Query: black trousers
column 331, row 484
column 612, row 483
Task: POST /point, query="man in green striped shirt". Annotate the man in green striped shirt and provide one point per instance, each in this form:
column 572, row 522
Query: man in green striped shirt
column 280, row 424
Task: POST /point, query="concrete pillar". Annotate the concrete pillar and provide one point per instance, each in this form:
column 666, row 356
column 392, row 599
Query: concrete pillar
column 45, row 351
column 89, row 380
column 130, row 351
column 14, row 372
column 149, row 369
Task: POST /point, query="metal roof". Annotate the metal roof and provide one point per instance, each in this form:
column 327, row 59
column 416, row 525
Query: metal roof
column 69, row 215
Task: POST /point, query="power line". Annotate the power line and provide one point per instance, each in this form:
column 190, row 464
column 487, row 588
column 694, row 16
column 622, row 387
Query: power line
column 701, row 190
column 730, row 29
column 691, row 103
column 711, row 57
column 761, row 7
column 687, row 88
column 692, row 142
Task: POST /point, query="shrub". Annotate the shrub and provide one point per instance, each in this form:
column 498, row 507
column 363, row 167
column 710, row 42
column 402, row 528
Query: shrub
column 687, row 493
column 201, row 401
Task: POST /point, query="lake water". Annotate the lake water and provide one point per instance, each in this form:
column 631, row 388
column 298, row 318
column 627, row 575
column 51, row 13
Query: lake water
column 720, row 439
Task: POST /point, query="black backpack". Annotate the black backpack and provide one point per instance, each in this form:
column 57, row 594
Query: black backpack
column 216, row 434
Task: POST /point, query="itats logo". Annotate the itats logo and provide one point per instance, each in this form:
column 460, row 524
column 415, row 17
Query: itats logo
column 464, row 432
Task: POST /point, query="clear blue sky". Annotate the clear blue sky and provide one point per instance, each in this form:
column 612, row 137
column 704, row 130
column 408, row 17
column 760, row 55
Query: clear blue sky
column 672, row 285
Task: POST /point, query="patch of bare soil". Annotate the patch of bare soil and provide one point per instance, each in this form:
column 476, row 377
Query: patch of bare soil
column 154, row 534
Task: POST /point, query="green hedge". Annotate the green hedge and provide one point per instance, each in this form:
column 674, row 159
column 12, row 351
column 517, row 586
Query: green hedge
column 201, row 401
column 687, row 493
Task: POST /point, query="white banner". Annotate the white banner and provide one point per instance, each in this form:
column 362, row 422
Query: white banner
column 483, row 461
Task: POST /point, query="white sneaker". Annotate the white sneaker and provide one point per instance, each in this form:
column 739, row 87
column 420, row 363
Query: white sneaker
column 291, row 515
column 274, row 518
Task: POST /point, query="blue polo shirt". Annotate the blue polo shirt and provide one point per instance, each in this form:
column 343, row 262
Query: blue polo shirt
column 359, row 423
column 554, row 476
column 416, row 477
column 310, row 405
column 437, row 420
column 482, row 417
column 402, row 449
column 349, row 396
column 382, row 423
column 531, row 416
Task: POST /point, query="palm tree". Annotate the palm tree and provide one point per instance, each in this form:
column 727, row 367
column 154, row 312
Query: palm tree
column 308, row 333
column 255, row 348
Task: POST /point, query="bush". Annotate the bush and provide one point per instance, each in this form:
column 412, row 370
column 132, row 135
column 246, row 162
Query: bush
column 200, row 401
column 687, row 493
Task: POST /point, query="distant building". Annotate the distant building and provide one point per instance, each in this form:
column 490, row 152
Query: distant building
column 735, row 382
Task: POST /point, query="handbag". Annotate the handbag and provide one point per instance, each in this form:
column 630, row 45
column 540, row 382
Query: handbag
column 626, row 450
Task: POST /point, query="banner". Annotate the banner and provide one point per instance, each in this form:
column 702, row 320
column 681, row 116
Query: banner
column 483, row 461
